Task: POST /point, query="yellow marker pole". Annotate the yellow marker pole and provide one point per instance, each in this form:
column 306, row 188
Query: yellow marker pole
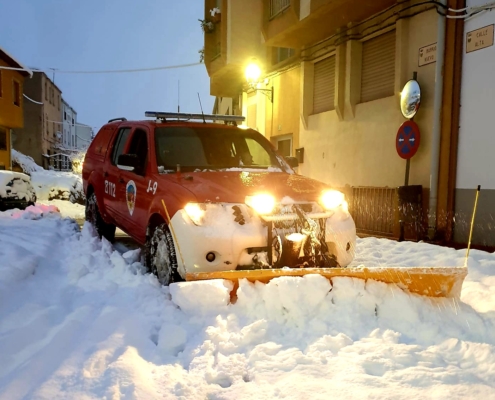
column 472, row 224
column 173, row 233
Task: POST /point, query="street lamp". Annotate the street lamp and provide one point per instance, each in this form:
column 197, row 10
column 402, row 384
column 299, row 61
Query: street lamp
column 252, row 74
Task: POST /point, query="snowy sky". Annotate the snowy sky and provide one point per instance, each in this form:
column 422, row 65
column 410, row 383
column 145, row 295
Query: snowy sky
column 112, row 34
column 83, row 320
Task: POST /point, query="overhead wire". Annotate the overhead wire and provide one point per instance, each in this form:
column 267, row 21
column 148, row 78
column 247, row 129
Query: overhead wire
column 110, row 71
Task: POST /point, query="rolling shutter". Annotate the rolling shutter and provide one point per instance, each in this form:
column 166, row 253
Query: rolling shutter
column 378, row 67
column 324, row 85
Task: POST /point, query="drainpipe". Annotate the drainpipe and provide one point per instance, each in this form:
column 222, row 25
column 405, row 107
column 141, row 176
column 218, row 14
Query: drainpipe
column 437, row 111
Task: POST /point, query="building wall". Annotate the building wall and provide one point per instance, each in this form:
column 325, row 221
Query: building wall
column 42, row 122
column 84, row 135
column 475, row 162
column 11, row 115
column 357, row 147
column 69, row 119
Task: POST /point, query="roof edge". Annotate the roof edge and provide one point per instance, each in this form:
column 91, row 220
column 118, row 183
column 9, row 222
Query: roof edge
column 11, row 60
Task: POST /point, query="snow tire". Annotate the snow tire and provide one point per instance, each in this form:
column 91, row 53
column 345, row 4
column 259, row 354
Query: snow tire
column 160, row 255
column 93, row 216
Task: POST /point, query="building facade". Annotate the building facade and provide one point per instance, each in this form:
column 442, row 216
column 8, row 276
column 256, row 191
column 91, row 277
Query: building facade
column 42, row 133
column 84, row 136
column 69, row 119
column 11, row 104
column 330, row 93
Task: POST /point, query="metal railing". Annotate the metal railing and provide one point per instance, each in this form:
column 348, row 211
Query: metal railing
column 374, row 210
column 277, row 6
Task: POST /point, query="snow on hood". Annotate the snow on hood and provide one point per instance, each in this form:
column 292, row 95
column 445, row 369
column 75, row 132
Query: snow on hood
column 81, row 320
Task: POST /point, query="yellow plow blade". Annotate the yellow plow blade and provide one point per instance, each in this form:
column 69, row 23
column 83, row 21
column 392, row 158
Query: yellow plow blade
column 425, row 281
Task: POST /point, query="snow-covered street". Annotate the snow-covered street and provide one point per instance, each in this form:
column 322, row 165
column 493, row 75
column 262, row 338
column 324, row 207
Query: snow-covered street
column 79, row 319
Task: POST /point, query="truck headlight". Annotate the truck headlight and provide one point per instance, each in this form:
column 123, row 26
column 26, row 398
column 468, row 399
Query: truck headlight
column 331, row 199
column 262, row 203
column 196, row 212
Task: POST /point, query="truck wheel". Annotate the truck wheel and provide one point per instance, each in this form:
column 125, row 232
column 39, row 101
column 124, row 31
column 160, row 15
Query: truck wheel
column 161, row 257
column 93, row 216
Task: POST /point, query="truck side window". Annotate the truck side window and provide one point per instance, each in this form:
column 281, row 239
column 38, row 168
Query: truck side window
column 139, row 146
column 120, row 141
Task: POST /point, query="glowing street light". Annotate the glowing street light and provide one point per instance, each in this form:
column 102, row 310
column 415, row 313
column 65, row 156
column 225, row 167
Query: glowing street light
column 253, row 74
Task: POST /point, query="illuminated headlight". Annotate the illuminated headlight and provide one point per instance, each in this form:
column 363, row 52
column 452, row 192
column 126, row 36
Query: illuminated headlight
column 331, row 199
column 263, row 204
column 196, row 212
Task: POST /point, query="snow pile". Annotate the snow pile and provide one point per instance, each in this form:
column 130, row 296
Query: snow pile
column 54, row 185
column 27, row 163
column 81, row 320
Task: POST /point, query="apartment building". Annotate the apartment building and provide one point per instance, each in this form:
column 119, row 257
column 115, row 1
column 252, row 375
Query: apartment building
column 333, row 72
column 84, row 136
column 69, row 120
column 42, row 131
column 11, row 103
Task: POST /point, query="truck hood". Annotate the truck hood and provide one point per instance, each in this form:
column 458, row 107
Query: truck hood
column 233, row 187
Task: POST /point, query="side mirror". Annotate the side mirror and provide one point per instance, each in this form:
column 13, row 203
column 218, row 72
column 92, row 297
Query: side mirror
column 292, row 161
column 128, row 162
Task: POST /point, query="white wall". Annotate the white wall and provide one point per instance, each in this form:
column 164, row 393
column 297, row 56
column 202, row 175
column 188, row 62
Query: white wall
column 476, row 161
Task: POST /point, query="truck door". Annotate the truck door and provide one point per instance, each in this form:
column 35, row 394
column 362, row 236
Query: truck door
column 111, row 174
column 134, row 194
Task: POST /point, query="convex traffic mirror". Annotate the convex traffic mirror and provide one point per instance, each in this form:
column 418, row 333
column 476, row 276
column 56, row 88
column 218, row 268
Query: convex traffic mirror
column 410, row 99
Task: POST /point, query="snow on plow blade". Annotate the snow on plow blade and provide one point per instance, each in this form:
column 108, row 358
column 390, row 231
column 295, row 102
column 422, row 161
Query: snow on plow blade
column 425, row 281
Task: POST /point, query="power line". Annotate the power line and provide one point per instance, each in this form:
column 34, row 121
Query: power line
column 30, row 99
column 110, row 71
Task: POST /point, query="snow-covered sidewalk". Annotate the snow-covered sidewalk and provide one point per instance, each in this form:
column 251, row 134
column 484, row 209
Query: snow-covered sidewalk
column 79, row 320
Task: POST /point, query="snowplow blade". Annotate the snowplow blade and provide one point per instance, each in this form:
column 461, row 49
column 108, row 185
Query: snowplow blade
column 425, row 281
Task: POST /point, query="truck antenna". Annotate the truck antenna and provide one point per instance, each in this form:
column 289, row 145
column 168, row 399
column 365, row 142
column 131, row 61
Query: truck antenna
column 202, row 113
column 178, row 96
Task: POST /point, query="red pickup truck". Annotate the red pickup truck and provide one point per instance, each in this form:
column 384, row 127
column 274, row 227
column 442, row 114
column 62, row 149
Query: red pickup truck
column 206, row 196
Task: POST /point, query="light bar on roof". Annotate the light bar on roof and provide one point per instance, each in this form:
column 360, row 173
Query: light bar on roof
column 209, row 117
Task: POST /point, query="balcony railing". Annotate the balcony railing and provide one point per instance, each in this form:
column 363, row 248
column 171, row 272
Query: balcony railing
column 278, row 6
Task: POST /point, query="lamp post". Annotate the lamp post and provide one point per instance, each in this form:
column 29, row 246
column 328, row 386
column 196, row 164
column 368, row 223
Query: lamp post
column 252, row 74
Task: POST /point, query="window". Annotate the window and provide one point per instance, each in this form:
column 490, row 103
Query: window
column 58, row 102
column 65, row 116
column 16, row 93
column 3, row 139
column 139, row 146
column 378, row 67
column 324, row 85
column 211, row 148
column 53, row 96
column 46, row 90
column 120, row 141
column 1, row 87
column 72, row 121
column 281, row 54
column 278, row 6
column 284, row 147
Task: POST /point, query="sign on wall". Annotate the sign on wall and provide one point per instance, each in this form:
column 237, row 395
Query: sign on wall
column 407, row 139
column 427, row 54
column 479, row 39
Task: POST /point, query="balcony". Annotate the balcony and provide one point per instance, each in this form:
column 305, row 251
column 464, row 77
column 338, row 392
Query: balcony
column 231, row 43
column 295, row 23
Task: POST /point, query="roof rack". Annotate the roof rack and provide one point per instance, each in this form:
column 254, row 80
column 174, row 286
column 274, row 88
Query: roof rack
column 117, row 119
column 202, row 117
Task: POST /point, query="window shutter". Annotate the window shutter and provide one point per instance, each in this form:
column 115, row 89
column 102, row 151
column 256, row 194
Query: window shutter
column 378, row 67
column 324, row 85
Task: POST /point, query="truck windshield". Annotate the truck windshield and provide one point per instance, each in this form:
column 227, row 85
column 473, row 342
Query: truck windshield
column 212, row 148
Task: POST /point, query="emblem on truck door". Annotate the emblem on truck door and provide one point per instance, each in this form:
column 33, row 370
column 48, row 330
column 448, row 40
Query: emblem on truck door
column 130, row 196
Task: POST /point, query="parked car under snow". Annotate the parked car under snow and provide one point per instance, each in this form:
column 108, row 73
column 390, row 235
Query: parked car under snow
column 16, row 190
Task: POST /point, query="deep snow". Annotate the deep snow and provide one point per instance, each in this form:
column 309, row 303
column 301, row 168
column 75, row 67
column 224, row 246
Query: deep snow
column 79, row 319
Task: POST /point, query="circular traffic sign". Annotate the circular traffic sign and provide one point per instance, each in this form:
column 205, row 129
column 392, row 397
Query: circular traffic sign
column 407, row 140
